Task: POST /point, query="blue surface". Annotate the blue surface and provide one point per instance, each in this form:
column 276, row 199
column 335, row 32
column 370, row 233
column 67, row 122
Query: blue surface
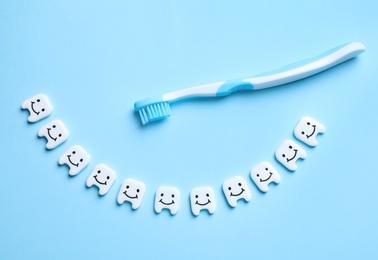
column 95, row 59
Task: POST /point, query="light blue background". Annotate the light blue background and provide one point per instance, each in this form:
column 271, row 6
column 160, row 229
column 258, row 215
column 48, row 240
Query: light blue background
column 94, row 59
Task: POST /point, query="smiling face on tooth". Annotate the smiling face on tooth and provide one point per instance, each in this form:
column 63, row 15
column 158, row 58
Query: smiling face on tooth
column 267, row 178
column 55, row 133
column 39, row 107
column 202, row 198
column 76, row 158
column 131, row 196
column 103, row 177
column 307, row 130
column 33, row 105
column 238, row 194
column 236, row 188
column 132, row 191
column 167, row 198
column 49, row 133
column 170, row 201
column 288, row 154
column 69, row 157
column 263, row 174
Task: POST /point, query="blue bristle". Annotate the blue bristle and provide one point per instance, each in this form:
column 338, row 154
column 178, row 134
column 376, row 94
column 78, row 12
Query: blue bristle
column 154, row 112
column 143, row 116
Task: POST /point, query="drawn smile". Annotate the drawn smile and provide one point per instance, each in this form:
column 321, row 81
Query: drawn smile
column 313, row 131
column 48, row 132
column 208, row 201
column 32, row 107
column 135, row 197
column 69, row 159
column 170, row 203
column 295, row 154
column 270, row 175
column 242, row 190
column 102, row 183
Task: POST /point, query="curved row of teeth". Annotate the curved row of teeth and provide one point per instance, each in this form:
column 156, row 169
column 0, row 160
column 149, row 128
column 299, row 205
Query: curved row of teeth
column 201, row 198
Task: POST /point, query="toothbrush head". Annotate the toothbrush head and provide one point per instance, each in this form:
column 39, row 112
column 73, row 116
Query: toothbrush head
column 152, row 111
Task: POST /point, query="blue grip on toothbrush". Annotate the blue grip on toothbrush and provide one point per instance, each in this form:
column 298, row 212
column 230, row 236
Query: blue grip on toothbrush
column 232, row 86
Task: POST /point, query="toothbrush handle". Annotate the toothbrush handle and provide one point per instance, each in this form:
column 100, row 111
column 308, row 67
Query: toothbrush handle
column 278, row 77
column 307, row 67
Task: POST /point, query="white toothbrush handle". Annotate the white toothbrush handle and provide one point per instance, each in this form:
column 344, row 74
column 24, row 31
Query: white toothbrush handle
column 282, row 76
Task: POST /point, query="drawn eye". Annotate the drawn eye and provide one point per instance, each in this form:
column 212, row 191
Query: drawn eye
column 54, row 126
column 137, row 190
column 43, row 110
column 229, row 188
column 81, row 160
column 302, row 133
column 308, row 123
column 207, row 194
column 266, row 169
column 239, row 184
column 290, row 147
column 73, row 152
column 38, row 100
column 196, row 196
column 107, row 177
column 283, row 155
column 162, row 194
column 258, row 175
column 127, row 186
column 173, row 195
column 60, row 135
column 98, row 171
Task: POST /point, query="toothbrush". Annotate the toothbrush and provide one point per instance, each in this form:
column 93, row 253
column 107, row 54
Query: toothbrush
column 157, row 108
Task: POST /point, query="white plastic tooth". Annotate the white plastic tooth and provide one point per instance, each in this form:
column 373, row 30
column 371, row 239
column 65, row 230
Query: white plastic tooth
column 39, row 107
column 60, row 131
